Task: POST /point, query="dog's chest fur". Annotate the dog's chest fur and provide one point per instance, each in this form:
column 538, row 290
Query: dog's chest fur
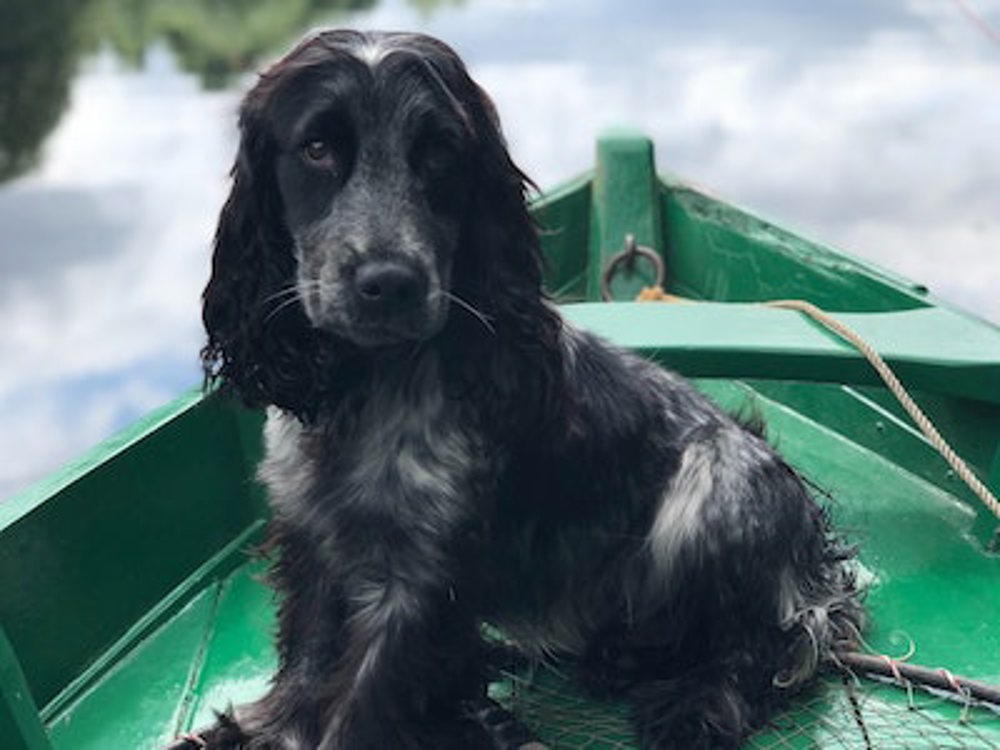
column 396, row 448
column 386, row 492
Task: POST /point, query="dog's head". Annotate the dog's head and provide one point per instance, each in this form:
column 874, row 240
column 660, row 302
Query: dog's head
column 372, row 193
column 371, row 138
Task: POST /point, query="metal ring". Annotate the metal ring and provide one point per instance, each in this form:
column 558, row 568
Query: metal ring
column 628, row 256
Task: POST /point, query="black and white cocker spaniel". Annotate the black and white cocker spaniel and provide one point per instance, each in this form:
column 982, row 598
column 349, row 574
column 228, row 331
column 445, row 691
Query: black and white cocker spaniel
column 444, row 451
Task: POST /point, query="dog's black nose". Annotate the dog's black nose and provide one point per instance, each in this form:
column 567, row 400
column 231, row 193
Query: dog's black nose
column 389, row 286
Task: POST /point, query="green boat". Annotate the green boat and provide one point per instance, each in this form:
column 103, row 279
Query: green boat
column 130, row 608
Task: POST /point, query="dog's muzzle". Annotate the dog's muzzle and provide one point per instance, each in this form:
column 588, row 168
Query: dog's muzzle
column 391, row 302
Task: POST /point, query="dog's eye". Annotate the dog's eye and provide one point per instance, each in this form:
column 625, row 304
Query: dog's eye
column 438, row 159
column 438, row 164
column 319, row 153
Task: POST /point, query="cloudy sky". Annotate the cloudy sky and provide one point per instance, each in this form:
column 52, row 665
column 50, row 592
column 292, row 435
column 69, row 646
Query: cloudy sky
column 871, row 125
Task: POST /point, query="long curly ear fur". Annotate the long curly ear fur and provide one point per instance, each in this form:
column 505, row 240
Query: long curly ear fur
column 260, row 343
column 499, row 270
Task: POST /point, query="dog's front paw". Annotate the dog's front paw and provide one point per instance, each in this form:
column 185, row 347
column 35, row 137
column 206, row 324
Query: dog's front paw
column 189, row 741
column 504, row 730
column 225, row 734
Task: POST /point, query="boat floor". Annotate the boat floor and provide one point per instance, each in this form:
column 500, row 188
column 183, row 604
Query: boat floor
column 930, row 588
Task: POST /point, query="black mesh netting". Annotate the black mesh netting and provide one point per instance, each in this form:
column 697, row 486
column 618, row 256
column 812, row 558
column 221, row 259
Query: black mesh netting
column 879, row 716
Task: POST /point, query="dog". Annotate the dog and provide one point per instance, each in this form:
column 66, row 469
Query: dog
column 443, row 450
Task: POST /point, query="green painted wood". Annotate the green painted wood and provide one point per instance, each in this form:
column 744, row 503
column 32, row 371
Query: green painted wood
column 214, row 652
column 931, row 348
column 988, row 528
column 135, row 704
column 868, row 418
column 717, row 251
column 624, row 201
column 103, row 542
column 20, row 727
column 207, row 575
column 994, row 474
column 240, row 657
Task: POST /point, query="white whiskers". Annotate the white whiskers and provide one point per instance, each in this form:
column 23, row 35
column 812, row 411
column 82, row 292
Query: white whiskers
column 478, row 315
column 287, row 297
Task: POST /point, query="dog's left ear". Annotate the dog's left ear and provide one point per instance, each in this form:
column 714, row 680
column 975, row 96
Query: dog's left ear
column 504, row 236
column 499, row 270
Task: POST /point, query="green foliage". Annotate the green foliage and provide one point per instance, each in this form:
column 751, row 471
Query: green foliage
column 427, row 8
column 38, row 55
column 43, row 41
column 215, row 39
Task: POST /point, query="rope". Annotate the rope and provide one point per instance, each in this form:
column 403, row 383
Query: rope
column 897, row 389
column 902, row 673
column 980, row 490
column 859, row 717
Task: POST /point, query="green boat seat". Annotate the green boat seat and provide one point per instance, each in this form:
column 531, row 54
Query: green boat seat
column 931, row 349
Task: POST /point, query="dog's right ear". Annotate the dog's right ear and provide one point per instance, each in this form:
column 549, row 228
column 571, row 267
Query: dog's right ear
column 255, row 334
column 235, row 287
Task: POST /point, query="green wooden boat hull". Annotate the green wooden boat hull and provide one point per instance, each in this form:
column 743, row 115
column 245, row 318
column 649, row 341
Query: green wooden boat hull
column 130, row 609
